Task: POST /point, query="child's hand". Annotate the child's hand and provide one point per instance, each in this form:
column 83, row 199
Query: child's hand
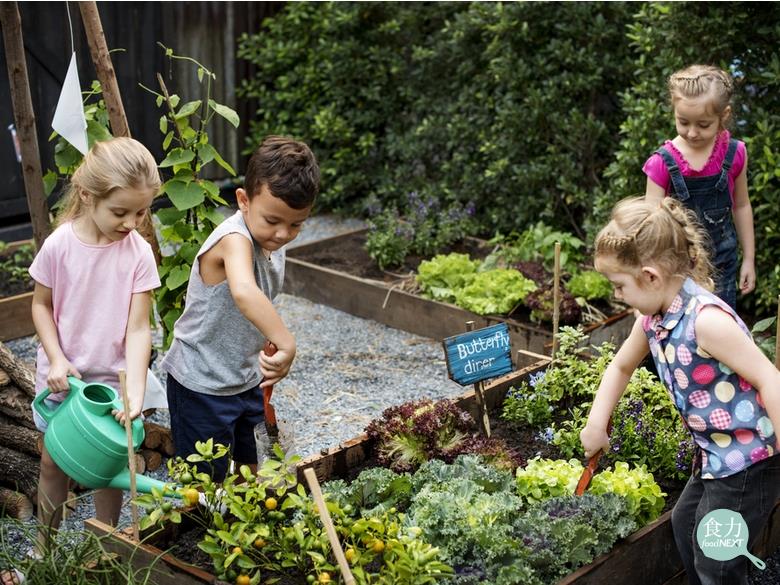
column 57, row 378
column 594, row 440
column 747, row 277
column 274, row 368
column 135, row 409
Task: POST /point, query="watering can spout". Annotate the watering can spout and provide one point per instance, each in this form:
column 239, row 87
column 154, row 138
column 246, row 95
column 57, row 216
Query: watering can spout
column 143, row 484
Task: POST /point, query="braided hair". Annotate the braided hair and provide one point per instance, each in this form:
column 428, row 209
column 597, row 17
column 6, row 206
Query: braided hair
column 698, row 80
column 668, row 236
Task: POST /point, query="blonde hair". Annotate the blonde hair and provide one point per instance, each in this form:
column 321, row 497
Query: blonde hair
column 667, row 236
column 698, row 80
column 118, row 163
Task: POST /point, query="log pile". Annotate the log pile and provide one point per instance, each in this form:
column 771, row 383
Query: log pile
column 21, row 442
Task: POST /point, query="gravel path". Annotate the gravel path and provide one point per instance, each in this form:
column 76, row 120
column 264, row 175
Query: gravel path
column 347, row 371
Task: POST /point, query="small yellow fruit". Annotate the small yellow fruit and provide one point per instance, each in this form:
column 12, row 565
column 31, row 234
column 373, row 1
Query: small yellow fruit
column 349, row 554
column 243, row 580
column 237, row 550
column 191, row 495
column 377, row 546
column 259, row 543
column 324, row 578
column 271, row 504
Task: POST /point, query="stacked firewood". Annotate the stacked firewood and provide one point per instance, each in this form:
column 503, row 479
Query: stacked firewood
column 21, row 442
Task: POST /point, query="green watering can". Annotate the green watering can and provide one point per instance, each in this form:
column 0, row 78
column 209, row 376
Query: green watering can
column 88, row 443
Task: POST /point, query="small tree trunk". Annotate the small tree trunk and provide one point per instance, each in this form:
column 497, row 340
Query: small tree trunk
column 19, row 438
column 16, row 404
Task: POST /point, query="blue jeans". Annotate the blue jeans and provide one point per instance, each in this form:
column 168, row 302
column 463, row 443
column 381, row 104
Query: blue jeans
column 752, row 492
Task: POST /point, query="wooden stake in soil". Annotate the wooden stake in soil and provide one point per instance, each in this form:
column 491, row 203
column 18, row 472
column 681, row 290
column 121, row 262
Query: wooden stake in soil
column 556, row 299
column 314, row 487
column 479, row 395
column 130, row 453
column 24, row 118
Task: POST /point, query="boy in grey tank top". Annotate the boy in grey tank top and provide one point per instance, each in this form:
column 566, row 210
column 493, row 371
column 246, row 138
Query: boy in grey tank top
column 216, row 367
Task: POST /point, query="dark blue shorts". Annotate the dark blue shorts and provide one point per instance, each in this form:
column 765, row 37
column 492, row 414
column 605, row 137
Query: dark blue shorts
column 229, row 420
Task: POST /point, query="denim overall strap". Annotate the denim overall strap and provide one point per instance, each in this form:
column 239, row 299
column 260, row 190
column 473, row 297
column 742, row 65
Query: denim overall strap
column 680, row 190
column 727, row 162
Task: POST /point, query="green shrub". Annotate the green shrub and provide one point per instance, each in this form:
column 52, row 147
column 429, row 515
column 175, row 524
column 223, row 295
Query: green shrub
column 590, row 285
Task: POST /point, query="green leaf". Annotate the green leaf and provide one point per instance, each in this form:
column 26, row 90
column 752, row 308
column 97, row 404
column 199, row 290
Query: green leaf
column 163, row 124
column 184, row 195
column 206, row 153
column 224, row 111
column 178, row 276
column 49, row 182
column 170, row 215
column 188, row 109
column 178, row 156
column 167, row 140
column 221, row 162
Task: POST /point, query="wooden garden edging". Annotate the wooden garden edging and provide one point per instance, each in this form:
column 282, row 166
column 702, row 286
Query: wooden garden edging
column 376, row 300
column 16, row 311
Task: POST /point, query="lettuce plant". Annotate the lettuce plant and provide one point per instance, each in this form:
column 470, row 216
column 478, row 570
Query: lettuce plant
column 441, row 277
column 494, row 292
column 644, row 496
column 590, row 285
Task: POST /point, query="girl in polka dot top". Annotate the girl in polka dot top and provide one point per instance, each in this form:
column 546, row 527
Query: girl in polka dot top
column 726, row 390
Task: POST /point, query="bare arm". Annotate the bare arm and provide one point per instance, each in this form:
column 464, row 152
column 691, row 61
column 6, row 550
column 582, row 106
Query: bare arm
column 236, row 252
column 720, row 336
column 43, row 319
column 138, row 348
column 654, row 192
column 743, row 222
column 614, row 382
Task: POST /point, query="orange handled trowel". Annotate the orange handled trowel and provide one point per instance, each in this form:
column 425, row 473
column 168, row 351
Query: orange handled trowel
column 266, row 434
column 590, row 468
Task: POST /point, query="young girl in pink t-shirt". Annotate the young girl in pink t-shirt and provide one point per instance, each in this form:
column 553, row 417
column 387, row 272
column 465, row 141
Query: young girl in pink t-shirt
column 93, row 280
column 705, row 169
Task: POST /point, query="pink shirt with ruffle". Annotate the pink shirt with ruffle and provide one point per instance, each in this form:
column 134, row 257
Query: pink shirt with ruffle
column 656, row 170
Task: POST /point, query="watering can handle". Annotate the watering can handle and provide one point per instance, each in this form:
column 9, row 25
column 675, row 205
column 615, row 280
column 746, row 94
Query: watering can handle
column 43, row 409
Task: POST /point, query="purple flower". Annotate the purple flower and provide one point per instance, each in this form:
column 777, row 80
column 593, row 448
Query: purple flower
column 535, row 379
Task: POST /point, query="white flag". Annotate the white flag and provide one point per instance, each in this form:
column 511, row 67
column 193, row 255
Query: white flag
column 69, row 121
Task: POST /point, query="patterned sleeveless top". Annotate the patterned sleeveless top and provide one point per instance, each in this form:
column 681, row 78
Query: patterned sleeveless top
column 724, row 412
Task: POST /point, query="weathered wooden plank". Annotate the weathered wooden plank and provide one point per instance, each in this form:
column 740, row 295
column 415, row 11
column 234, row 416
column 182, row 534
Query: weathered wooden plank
column 165, row 569
column 16, row 316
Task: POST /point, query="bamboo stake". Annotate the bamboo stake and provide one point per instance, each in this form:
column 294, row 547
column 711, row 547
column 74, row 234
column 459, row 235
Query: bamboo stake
column 556, row 299
column 316, row 492
column 479, row 395
column 24, row 118
column 130, row 453
column 116, row 111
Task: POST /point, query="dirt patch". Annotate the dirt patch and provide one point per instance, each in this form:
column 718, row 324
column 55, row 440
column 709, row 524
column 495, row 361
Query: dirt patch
column 348, row 254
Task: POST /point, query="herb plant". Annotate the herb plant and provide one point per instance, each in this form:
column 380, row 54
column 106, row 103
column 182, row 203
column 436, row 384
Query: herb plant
column 444, row 275
column 14, row 265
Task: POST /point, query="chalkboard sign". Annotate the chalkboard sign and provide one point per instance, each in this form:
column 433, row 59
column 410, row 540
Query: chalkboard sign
column 479, row 355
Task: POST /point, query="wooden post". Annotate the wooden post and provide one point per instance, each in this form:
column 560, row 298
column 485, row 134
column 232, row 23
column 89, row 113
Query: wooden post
column 130, row 453
column 327, row 521
column 24, row 118
column 556, row 299
column 116, row 111
column 484, row 421
column 104, row 68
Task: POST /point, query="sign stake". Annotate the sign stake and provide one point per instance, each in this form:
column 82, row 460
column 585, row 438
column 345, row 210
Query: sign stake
column 484, row 421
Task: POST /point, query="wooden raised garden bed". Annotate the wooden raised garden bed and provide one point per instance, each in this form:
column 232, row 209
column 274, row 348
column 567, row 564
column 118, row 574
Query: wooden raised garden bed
column 649, row 552
column 16, row 310
column 378, row 299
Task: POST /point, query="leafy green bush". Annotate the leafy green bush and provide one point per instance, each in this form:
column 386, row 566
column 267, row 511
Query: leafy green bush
column 490, row 102
column 644, row 495
column 590, row 285
column 537, row 244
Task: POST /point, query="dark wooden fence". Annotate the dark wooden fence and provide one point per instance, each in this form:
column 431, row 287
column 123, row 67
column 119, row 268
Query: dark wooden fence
column 205, row 31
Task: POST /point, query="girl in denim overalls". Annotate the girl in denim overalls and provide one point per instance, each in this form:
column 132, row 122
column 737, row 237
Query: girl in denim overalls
column 726, row 390
column 717, row 191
